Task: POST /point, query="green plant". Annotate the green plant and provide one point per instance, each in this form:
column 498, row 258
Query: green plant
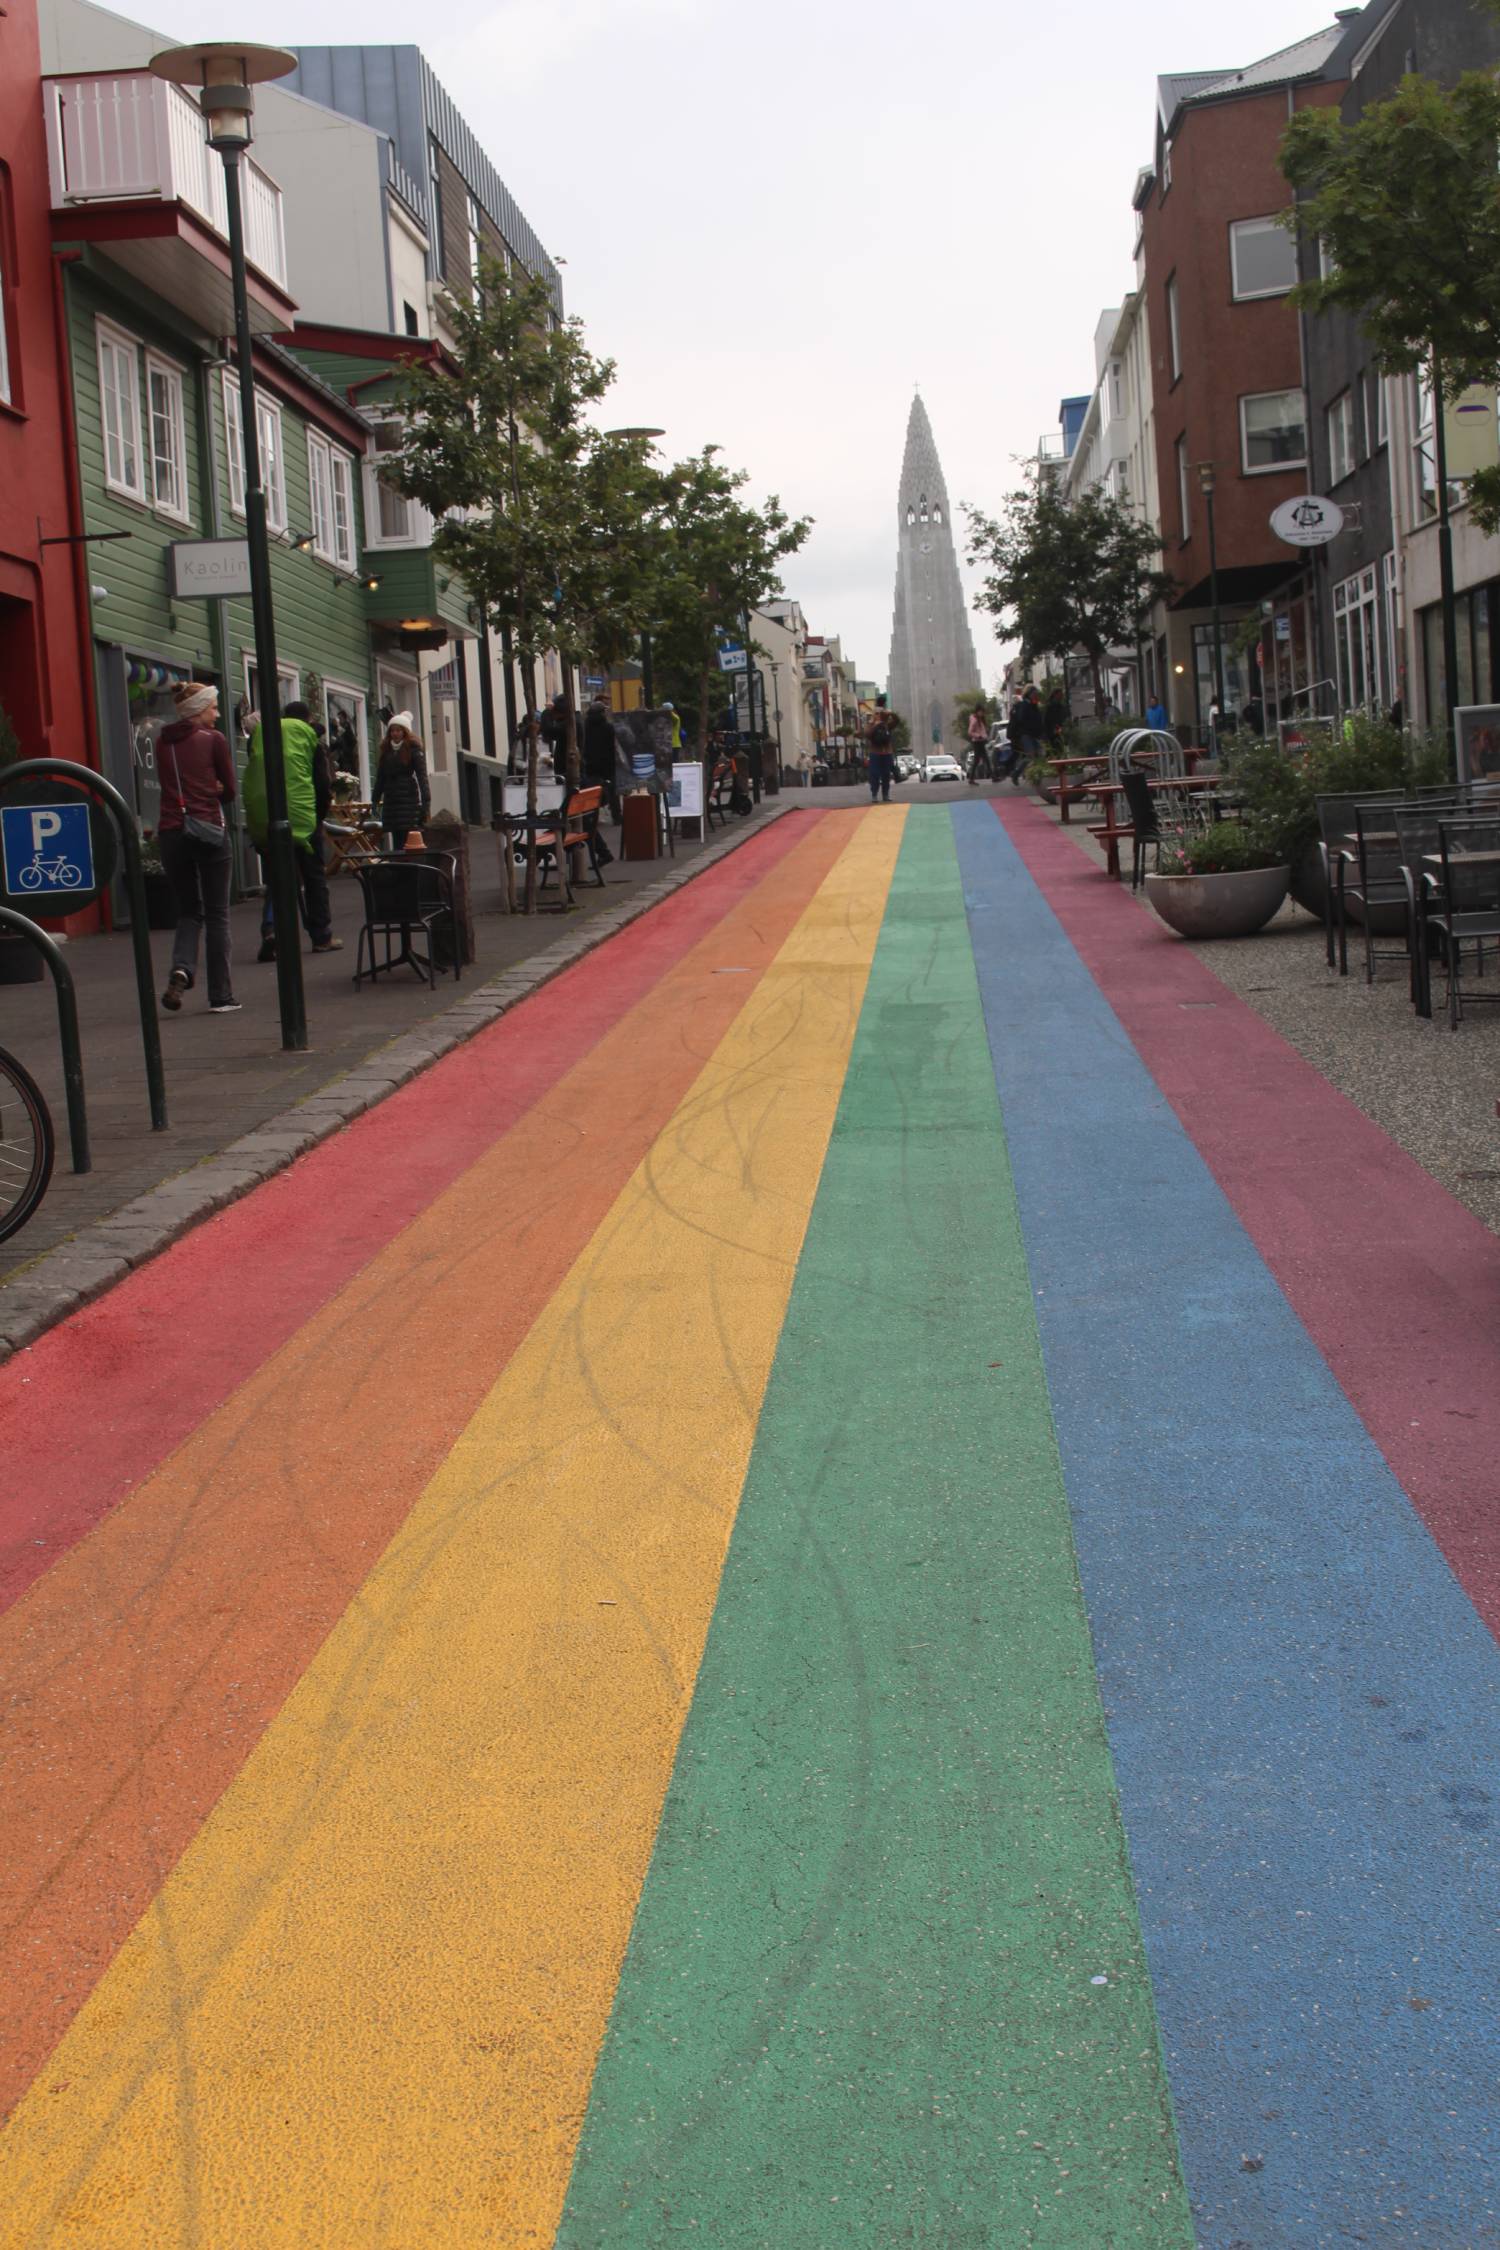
column 1280, row 793
column 1087, row 738
column 1228, row 847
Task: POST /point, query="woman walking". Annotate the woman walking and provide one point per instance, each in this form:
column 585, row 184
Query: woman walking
column 979, row 742
column 196, row 773
column 401, row 781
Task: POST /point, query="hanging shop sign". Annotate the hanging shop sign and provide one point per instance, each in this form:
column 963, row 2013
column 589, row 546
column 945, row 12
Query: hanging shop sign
column 210, row 569
column 1308, row 522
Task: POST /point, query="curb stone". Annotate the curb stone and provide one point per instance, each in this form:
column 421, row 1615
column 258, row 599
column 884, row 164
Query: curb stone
column 94, row 1259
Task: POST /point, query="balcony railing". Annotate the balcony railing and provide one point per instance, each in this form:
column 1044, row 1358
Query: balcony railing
column 129, row 137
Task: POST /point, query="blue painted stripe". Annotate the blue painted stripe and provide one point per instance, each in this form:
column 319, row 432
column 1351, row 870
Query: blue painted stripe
column 1304, row 1708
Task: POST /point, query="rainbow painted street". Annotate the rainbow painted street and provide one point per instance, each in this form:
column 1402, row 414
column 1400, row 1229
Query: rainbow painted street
column 839, row 1587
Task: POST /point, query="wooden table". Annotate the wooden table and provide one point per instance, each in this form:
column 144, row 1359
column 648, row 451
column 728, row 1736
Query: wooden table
column 1107, row 791
column 1088, row 768
column 353, row 834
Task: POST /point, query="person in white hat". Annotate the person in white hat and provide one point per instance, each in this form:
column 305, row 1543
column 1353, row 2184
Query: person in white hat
column 196, row 773
column 401, row 795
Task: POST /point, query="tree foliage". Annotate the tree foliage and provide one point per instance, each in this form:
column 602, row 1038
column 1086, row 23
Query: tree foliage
column 717, row 558
column 965, row 704
column 1063, row 576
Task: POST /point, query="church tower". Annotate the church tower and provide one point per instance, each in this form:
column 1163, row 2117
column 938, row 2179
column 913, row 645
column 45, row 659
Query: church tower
column 932, row 649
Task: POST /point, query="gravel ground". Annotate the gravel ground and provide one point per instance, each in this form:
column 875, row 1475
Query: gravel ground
column 1434, row 1091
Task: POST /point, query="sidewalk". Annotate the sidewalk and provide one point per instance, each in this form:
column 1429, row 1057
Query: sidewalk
column 227, row 1075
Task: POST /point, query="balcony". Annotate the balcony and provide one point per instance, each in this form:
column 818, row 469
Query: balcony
column 130, row 168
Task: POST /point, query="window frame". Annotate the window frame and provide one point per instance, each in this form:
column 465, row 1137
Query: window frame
column 1339, row 414
column 270, row 435
column 1253, row 296
column 1184, row 491
column 1174, row 328
column 157, row 364
column 110, row 338
column 1270, row 468
column 419, row 523
column 327, row 460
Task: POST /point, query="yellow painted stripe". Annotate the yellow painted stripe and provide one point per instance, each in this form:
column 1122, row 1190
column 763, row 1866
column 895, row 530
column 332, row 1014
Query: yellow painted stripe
column 366, row 2006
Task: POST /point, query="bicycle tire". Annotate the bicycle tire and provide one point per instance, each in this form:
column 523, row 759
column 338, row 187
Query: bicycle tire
column 21, row 1103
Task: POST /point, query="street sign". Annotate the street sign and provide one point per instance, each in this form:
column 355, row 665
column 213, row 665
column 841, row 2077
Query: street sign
column 732, row 656
column 210, row 569
column 48, row 854
column 1308, row 522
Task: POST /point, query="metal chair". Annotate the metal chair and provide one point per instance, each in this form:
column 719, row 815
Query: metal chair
column 404, row 894
column 1373, row 875
column 1336, row 825
column 1147, row 828
column 1465, row 907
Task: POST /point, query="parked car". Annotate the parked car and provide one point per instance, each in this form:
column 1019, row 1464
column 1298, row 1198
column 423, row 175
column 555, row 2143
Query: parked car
column 908, row 768
column 942, row 768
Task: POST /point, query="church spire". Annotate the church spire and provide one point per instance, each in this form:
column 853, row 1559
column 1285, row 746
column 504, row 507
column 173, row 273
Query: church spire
column 932, row 649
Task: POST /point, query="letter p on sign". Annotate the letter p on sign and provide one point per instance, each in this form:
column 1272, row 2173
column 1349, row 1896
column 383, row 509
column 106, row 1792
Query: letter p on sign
column 45, row 825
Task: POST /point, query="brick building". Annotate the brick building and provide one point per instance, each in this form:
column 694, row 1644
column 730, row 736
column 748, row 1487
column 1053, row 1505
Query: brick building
column 1228, row 371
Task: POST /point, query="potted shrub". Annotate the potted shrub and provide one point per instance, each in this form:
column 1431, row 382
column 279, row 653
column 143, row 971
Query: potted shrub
column 1226, row 881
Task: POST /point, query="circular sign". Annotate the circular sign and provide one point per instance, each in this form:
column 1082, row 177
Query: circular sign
column 57, row 847
column 1308, row 522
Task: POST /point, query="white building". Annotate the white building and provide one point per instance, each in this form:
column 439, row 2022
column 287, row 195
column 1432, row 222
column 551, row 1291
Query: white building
column 1116, row 452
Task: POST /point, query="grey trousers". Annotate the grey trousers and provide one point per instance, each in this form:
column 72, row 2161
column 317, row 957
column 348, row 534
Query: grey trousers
column 199, row 874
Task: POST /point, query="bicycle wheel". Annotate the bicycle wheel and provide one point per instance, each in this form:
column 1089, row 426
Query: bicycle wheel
column 27, row 1146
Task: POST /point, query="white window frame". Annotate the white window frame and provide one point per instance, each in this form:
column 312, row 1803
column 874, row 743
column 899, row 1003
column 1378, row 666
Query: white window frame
column 1390, row 597
column 289, row 682
column 330, row 468
column 7, row 397
column 1237, row 227
column 1270, row 468
column 270, row 434
column 1174, row 329
column 1356, row 635
column 360, row 697
column 419, row 523
column 166, row 371
column 1378, row 421
column 110, row 339
column 1342, row 461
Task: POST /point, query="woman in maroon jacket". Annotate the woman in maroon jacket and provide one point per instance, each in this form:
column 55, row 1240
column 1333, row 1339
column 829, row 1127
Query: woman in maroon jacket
column 196, row 773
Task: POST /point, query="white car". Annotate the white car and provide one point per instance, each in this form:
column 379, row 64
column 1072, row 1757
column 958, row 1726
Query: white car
column 942, row 768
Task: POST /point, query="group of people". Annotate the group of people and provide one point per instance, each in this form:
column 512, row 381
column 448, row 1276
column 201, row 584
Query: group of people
column 195, row 769
column 1031, row 730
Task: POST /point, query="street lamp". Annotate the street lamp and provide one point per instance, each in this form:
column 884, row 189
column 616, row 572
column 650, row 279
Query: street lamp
column 647, row 437
column 224, row 78
column 1206, row 482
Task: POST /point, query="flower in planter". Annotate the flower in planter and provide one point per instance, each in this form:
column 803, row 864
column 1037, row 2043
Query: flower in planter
column 1227, row 847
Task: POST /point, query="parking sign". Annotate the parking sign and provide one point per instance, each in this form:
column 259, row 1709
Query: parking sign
column 48, row 852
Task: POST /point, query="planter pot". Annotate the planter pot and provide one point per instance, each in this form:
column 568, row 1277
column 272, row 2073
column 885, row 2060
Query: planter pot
column 1308, row 887
column 20, row 962
column 1218, row 906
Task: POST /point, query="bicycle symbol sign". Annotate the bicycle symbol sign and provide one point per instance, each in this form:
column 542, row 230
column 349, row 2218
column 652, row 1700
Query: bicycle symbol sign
column 48, row 850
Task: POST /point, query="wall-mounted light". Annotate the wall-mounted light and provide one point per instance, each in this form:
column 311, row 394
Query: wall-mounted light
column 370, row 581
column 1179, row 669
column 302, row 544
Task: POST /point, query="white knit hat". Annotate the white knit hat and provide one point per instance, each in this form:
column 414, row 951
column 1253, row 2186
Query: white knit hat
column 400, row 719
column 192, row 700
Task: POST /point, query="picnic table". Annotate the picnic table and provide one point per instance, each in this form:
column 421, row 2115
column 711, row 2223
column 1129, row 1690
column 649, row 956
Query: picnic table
column 1078, row 776
column 1110, row 832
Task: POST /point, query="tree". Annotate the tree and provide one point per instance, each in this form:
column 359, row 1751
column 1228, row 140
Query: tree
column 717, row 559
column 1406, row 203
column 547, row 520
column 1067, row 575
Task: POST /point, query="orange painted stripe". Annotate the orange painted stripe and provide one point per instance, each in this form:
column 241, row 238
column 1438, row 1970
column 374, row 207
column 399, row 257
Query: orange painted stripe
column 142, row 1671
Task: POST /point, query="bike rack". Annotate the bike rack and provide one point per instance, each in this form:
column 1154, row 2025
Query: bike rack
column 67, row 1031
column 105, row 793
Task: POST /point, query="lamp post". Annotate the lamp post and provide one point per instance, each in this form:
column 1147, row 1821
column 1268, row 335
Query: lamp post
column 1206, row 483
column 225, row 77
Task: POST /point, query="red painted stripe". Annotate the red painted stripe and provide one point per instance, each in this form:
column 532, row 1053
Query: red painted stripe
column 98, row 1402
column 1397, row 1284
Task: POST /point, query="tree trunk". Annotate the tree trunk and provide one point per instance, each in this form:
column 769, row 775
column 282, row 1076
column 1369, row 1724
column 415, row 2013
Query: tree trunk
column 532, row 739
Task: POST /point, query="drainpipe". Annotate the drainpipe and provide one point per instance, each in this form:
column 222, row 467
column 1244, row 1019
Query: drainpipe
column 83, row 606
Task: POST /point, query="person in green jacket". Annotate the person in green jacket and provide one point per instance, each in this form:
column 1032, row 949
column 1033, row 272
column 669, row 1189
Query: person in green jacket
column 308, row 792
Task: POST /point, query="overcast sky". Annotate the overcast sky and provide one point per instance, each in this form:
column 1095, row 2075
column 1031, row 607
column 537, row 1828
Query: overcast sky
column 778, row 219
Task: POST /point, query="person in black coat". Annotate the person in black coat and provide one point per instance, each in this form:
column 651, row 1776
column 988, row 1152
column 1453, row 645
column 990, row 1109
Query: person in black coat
column 600, row 749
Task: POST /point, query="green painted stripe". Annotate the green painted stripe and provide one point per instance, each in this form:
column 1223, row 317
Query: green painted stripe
column 859, row 2003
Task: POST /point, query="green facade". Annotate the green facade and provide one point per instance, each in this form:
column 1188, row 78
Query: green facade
column 322, row 628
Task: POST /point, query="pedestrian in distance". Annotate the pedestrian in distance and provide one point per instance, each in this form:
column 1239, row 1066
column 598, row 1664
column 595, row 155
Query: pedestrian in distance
column 880, row 744
column 1033, row 730
column 601, row 750
column 309, row 792
column 1156, row 715
column 401, row 786
column 196, row 773
column 555, row 734
column 979, row 743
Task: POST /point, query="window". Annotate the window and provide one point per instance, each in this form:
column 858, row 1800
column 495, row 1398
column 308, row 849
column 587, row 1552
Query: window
column 1424, row 451
column 476, row 240
column 1166, row 167
column 1391, row 603
column 391, row 519
column 272, row 457
column 1183, row 502
column 1174, row 338
column 1356, row 639
column 1116, row 390
column 169, row 485
column 1375, row 418
column 331, row 483
column 1341, row 437
column 1273, row 432
column 120, row 412
column 1262, row 258
column 409, row 318
column 435, row 219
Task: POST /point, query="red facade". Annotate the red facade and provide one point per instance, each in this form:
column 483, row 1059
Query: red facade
column 43, row 588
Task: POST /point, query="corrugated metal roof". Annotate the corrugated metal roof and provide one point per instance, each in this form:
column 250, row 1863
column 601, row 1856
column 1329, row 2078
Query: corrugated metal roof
column 1305, row 58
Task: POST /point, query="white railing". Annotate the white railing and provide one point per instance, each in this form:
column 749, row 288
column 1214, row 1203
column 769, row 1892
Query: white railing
column 128, row 136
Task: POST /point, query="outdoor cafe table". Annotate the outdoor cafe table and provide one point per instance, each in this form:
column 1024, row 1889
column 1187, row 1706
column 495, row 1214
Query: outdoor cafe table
column 1197, row 785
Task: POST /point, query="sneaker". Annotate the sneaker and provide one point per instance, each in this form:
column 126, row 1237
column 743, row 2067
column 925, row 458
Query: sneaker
column 225, row 1008
column 330, row 945
column 178, row 983
column 267, row 949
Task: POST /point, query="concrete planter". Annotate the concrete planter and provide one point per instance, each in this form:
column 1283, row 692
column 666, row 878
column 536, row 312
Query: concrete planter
column 1218, row 906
